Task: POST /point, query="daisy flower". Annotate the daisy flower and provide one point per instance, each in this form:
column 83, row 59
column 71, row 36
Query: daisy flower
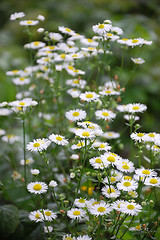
column 101, row 146
column 34, row 45
column 52, row 184
column 78, row 145
column 131, row 208
column 5, row 111
column 110, row 192
column 26, row 102
column 89, row 42
column 38, row 145
column 125, row 166
column 89, row 96
column 55, row 36
column 16, row 15
column 143, row 172
column 36, row 216
column 29, row 22
column 109, row 92
column 76, row 82
column 127, row 185
column 15, row 175
column 37, row 187
column 151, row 137
column 152, row 181
column 68, row 237
column 101, row 28
column 75, row 115
column 84, row 237
column 13, row 72
column 28, row 161
column 136, row 228
column 117, row 204
column 115, row 177
column 111, row 158
column 98, row 162
column 10, row 138
column 80, row 202
column 136, row 107
column 131, row 117
column 35, row 172
column 48, row 229
column 105, row 114
column 111, row 135
column 2, row 132
column 133, row 194
column 117, row 30
column 138, row 60
column 85, row 133
column 100, row 209
column 91, row 202
column 110, row 36
column 135, row 42
column 41, row 17
column 48, row 215
column 66, row 30
column 21, row 81
column 58, row 139
column 76, row 213
column 74, row 92
column 154, row 148
column 138, row 137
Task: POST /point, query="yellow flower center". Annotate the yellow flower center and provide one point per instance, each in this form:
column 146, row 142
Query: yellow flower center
column 102, row 145
column 85, row 134
column 138, row 227
column 140, row 134
column 132, row 193
column 125, row 39
column 156, row 147
column 125, row 166
column 76, row 213
column 98, row 160
column 111, row 159
column 48, row 213
column 68, row 238
column 105, row 114
column 71, row 68
column 68, row 30
column 94, row 203
column 75, row 114
column 22, row 103
column 37, row 215
column 36, row 144
column 36, row 43
column 110, row 190
column 63, row 55
column 151, row 135
column 76, row 81
column 147, row 172
column 113, row 179
column 80, row 144
column 101, row 209
column 21, row 79
column 28, row 161
column 29, row 22
column 37, row 187
column 101, row 26
column 59, row 138
column 51, row 47
column 130, row 207
column 127, row 178
column 108, row 91
column 135, row 41
column 135, row 107
column 81, row 200
column 127, row 184
column 153, row 181
column 91, row 48
column 89, row 95
column 14, row 71
column 89, row 40
column 109, row 34
column 74, row 55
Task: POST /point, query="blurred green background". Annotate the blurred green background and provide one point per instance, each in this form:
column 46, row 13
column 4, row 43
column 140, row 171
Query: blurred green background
column 138, row 18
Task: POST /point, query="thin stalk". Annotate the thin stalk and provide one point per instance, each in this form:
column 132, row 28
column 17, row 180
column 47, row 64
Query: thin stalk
column 128, row 227
column 24, row 150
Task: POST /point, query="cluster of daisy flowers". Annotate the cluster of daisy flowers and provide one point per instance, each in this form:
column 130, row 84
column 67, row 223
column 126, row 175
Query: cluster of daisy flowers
column 56, row 77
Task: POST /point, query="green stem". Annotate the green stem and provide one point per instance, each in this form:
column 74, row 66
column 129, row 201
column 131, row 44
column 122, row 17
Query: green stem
column 24, row 150
column 128, row 227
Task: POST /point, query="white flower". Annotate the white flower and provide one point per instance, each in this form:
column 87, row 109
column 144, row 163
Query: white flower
column 21, row 81
column 152, row 181
column 130, row 208
column 2, row 132
column 111, row 158
column 136, row 228
column 38, row 145
column 78, row 145
column 28, row 161
column 66, row 30
column 76, row 82
column 138, row 136
column 89, row 96
column 136, row 107
column 48, row 229
column 131, row 117
column 75, row 115
column 138, row 60
column 151, row 137
column 68, row 237
column 84, row 237
column 76, row 213
column 135, row 42
column 48, row 215
column 117, row 30
column 10, row 138
column 111, row 135
column 40, row 30
column 52, row 184
column 100, row 209
column 80, row 202
column 125, row 166
column 105, row 114
column 110, row 191
column 101, row 146
column 26, row 102
column 37, row 187
column 74, row 156
column 41, row 17
column 143, row 172
column 98, row 162
column 101, row 28
column 34, row 45
column 127, row 185
column 89, row 42
column 29, row 22
column 117, row 204
column 58, row 139
column 85, row 133
column 36, row 216
column 35, row 172
column 74, row 92
column 16, row 15
column 55, row 36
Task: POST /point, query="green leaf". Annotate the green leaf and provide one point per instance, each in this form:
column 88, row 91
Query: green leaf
column 9, row 219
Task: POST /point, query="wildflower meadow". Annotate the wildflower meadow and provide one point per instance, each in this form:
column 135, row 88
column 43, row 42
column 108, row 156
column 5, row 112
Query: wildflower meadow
column 75, row 162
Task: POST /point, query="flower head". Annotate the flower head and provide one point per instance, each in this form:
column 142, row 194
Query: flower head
column 37, row 187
